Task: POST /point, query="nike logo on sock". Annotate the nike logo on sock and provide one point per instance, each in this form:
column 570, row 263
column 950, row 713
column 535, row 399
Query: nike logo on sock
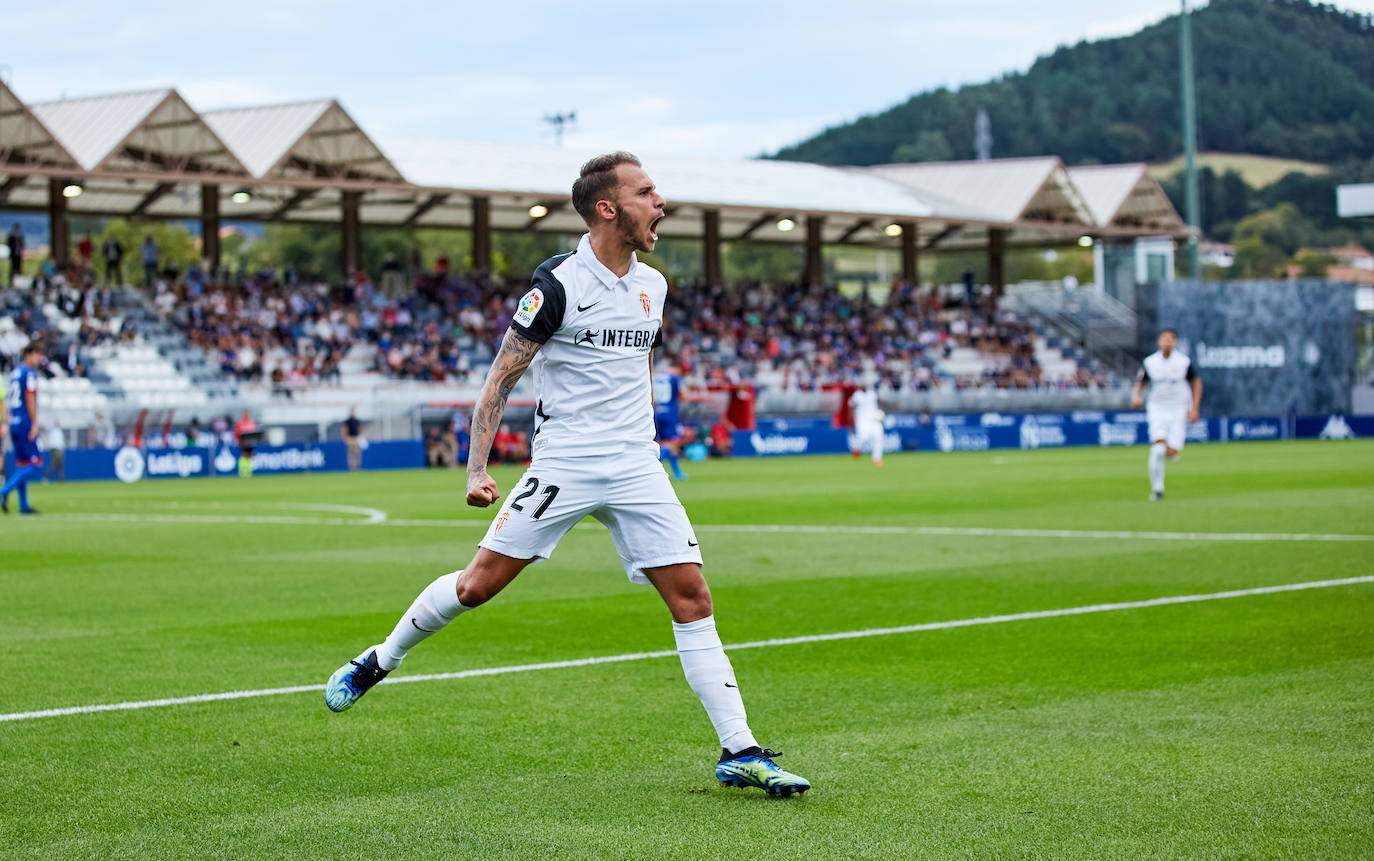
column 691, row 543
column 728, row 685
column 417, row 626
column 587, row 307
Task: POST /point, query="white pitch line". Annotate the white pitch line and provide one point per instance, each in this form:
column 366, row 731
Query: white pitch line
column 668, row 653
column 375, row 517
column 230, row 519
column 1042, row 533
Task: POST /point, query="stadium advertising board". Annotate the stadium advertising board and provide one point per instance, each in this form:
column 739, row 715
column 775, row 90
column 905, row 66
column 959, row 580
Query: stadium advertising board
column 978, row 432
column 771, row 438
column 131, row 464
column 1261, row 347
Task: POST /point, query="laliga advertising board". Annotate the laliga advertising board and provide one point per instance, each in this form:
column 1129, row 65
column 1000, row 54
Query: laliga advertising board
column 1262, row 348
column 130, row 464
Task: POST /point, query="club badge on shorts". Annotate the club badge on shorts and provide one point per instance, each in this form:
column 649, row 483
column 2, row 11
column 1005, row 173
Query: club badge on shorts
column 644, row 300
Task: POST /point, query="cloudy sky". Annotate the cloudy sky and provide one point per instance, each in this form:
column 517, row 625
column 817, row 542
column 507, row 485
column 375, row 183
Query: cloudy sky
column 719, row 78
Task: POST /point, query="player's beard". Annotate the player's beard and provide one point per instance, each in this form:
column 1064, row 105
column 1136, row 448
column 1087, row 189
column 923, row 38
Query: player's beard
column 629, row 234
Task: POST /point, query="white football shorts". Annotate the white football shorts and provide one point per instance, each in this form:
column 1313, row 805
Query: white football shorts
column 629, row 493
column 1170, row 425
column 867, row 435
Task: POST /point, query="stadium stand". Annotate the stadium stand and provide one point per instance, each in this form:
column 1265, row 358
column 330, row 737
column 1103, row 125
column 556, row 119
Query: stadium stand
column 273, row 345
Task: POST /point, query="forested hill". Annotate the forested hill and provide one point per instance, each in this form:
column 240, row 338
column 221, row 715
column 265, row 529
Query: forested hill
column 1274, row 77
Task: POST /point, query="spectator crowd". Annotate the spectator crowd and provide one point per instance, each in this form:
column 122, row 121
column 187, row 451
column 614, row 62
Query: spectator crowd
column 276, row 327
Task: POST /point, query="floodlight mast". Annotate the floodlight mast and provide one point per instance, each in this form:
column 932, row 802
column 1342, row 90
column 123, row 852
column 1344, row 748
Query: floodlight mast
column 1190, row 190
column 560, row 123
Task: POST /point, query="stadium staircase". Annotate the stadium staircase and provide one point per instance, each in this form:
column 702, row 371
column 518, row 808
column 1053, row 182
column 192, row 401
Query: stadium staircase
column 1084, row 320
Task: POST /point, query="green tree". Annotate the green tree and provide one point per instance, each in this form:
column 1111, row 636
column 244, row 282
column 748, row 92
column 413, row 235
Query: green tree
column 1275, row 77
column 175, row 246
column 1282, row 228
column 752, row 261
column 1255, row 259
column 517, row 255
column 930, row 145
column 1314, row 263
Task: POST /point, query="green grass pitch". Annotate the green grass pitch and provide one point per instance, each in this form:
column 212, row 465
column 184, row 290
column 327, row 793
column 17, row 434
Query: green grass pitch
column 1241, row 727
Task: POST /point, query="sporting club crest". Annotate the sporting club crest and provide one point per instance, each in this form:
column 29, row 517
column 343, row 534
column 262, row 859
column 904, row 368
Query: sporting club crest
column 644, row 301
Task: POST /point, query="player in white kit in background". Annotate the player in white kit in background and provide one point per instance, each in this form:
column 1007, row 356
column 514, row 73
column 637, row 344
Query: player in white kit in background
column 1175, row 395
column 869, row 432
column 588, row 326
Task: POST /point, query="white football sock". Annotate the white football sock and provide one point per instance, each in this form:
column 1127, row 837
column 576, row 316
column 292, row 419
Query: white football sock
column 436, row 606
column 878, row 446
column 1157, row 467
column 709, row 673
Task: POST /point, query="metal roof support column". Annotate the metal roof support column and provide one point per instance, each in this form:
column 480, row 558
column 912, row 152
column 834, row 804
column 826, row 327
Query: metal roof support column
column 997, row 260
column 481, row 234
column 59, row 231
column 350, row 234
column 209, row 227
column 910, row 260
column 814, row 274
column 710, row 247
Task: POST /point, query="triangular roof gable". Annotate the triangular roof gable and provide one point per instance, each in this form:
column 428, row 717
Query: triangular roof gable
column 545, row 173
column 315, row 138
column 23, row 137
column 128, row 131
column 1125, row 195
column 262, row 136
column 91, row 127
column 1005, row 190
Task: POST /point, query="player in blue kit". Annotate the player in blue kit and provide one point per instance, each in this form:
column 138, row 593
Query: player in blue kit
column 667, row 412
column 21, row 402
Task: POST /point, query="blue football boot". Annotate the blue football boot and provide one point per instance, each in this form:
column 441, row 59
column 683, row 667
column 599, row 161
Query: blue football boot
column 352, row 680
column 755, row 767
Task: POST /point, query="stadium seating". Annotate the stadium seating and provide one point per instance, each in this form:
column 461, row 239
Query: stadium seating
column 308, row 353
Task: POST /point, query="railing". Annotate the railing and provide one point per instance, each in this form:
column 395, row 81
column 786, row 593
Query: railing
column 1097, row 323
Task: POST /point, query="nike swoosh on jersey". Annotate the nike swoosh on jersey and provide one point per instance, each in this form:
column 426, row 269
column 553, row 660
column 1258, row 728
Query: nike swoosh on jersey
column 588, row 307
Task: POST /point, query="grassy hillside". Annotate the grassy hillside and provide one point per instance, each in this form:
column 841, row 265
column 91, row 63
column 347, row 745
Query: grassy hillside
column 1258, row 171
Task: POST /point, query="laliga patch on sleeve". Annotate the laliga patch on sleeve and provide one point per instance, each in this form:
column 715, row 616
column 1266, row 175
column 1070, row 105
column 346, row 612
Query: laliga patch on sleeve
column 530, row 304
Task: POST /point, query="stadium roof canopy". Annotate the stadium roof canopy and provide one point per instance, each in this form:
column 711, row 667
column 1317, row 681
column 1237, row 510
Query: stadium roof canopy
column 743, row 191
column 23, row 137
column 129, row 153
column 304, row 140
column 316, row 138
column 149, row 154
column 133, row 131
column 1033, row 196
column 1125, row 195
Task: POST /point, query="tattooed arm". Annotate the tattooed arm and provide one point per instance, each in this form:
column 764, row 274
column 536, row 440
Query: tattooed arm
column 515, row 356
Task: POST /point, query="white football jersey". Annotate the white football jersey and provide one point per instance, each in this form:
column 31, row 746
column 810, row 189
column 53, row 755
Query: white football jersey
column 865, row 406
column 591, row 377
column 1170, row 381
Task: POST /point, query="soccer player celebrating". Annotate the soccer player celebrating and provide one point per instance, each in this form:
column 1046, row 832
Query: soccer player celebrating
column 21, row 399
column 1175, row 395
column 869, row 432
column 588, row 326
column 667, row 413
